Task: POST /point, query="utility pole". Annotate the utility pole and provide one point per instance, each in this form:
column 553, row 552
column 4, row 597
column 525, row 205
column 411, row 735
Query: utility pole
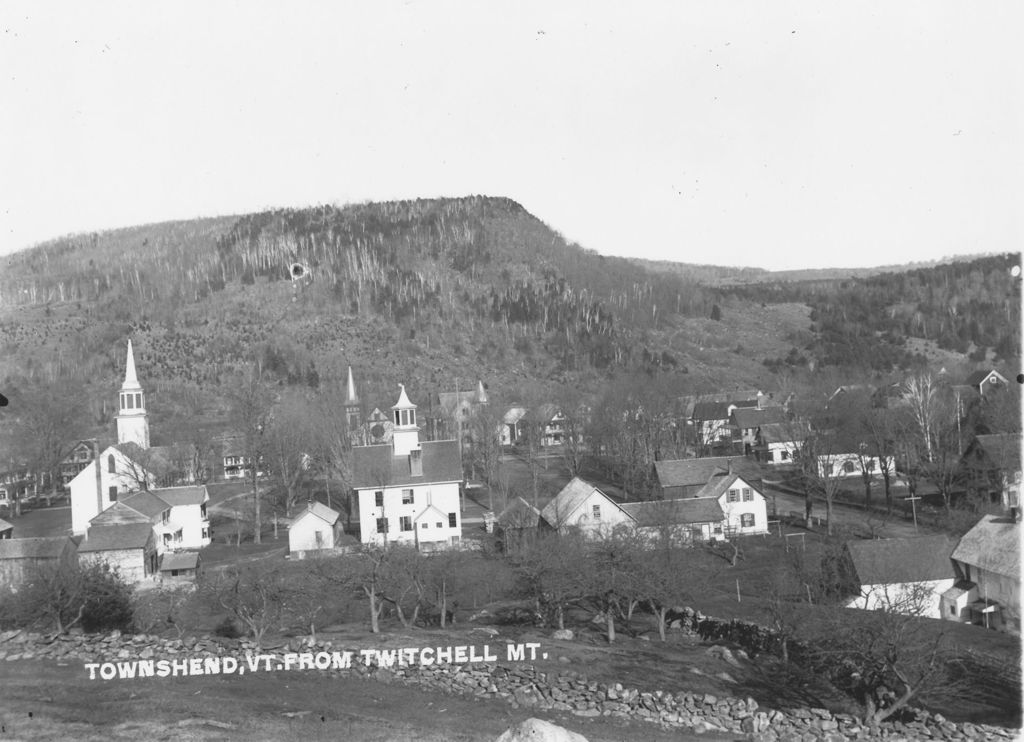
column 913, row 506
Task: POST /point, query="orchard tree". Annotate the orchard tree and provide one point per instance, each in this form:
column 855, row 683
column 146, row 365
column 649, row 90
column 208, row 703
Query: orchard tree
column 552, row 572
column 256, row 595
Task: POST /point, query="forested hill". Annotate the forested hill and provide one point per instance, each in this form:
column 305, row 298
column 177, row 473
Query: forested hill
column 967, row 306
column 433, row 290
column 427, row 290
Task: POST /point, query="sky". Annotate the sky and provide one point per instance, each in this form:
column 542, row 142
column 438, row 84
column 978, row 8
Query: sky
column 777, row 135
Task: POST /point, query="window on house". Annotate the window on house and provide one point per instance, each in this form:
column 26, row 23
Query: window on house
column 206, row 533
column 784, row 455
column 747, row 520
column 424, row 525
column 382, row 525
column 734, row 496
column 452, row 520
column 597, row 512
column 378, row 498
column 407, row 497
column 439, row 524
column 202, row 510
column 112, row 493
column 167, row 539
column 828, row 470
column 138, row 401
column 848, row 467
column 405, row 523
column 174, row 573
column 748, row 495
column 952, row 610
column 111, row 464
column 131, row 401
column 319, row 536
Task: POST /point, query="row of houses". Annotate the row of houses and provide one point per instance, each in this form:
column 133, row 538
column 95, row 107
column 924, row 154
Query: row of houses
column 699, row 500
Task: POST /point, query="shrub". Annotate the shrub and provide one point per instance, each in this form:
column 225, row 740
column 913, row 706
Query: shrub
column 59, row 597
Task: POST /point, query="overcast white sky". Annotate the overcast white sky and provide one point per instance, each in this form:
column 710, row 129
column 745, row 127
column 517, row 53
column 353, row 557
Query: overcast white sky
column 778, row 134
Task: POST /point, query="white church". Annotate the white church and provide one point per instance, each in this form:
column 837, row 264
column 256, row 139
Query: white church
column 94, row 489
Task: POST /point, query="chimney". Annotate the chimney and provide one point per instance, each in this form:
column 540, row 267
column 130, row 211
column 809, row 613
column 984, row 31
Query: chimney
column 416, row 462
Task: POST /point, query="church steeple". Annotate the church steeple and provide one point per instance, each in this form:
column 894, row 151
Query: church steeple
column 132, row 420
column 406, row 435
column 352, row 408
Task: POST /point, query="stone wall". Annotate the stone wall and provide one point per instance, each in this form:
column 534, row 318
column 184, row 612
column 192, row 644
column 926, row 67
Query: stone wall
column 522, row 685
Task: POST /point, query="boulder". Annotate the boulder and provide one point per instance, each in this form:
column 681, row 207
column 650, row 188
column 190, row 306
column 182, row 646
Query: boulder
column 538, row 730
column 564, row 634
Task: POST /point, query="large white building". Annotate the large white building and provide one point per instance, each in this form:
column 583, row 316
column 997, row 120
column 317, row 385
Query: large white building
column 120, row 467
column 408, row 491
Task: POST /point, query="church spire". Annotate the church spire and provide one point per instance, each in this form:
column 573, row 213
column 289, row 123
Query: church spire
column 481, row 393
column 351, row 398
column 130, row 379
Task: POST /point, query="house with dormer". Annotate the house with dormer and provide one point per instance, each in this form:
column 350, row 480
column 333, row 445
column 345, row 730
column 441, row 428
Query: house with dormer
column 734, row 482
column 408, row 491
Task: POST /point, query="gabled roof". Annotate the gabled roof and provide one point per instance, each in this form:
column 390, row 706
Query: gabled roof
column 5, row 526
column 519, row 514
column 110, row 538
column 449, row 402
column 719, row 484
column 441, row 515
column 178, row 496
column 785, row 432
column 999, row 451
column 752, row 417
column 49, row 547
column 568, row 500
column 893, row 561
column 993, row 545
column 130, row 451
column 674, row 512
column 977, row 377
column 146, row 503
column 316, row 509
column 179, row 560
column 513, row 415
column 693, row 472
column 121, row 513
column 376, row 466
